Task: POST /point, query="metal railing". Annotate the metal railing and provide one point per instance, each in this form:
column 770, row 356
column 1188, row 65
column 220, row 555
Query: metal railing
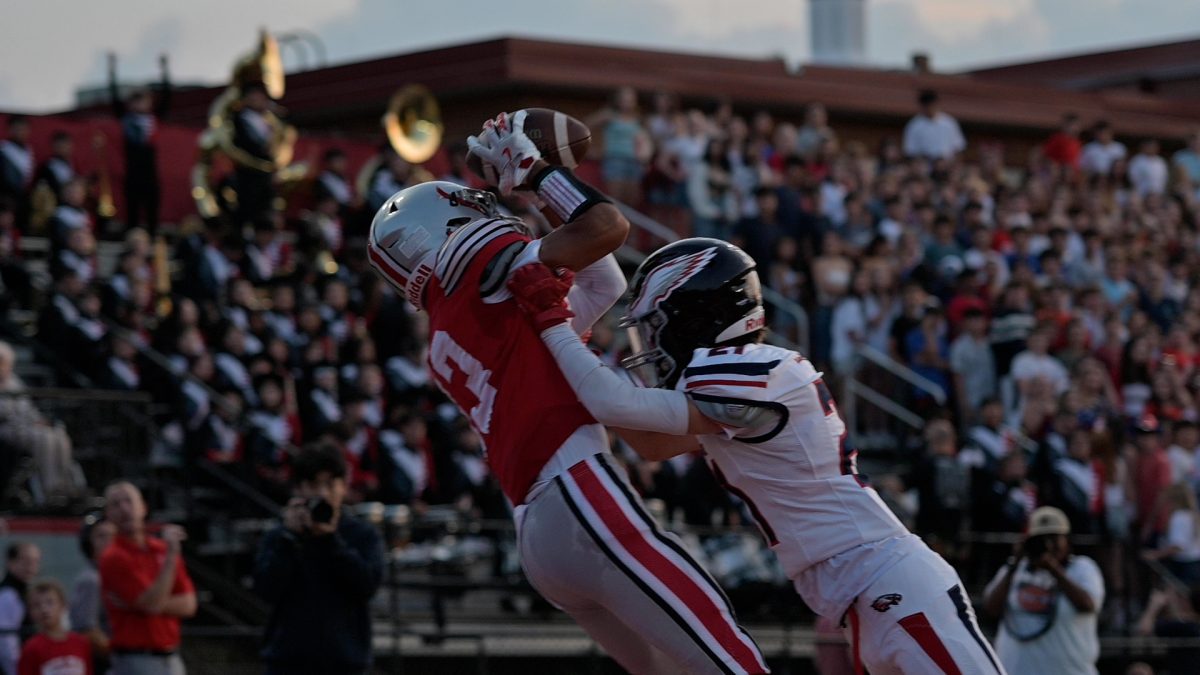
column 110, row 434
column 647, row 224
column 449, row 602
column 87, row 413
column 908, row 375
column 855, row 389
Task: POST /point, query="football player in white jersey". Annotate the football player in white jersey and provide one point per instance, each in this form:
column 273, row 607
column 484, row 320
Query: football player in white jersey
column 772, row 435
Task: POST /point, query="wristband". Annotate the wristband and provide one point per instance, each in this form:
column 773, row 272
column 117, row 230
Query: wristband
column 566, row 195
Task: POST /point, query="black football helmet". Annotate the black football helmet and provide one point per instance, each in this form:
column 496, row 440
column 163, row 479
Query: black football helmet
column 687, row 295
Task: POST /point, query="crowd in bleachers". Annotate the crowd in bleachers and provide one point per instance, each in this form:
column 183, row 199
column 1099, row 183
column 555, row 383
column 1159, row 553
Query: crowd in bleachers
column 1050, row 295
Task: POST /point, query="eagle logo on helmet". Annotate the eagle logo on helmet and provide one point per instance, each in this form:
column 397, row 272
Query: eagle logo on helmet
column 667, row 277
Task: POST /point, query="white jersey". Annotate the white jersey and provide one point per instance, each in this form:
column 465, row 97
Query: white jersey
column 794, row 472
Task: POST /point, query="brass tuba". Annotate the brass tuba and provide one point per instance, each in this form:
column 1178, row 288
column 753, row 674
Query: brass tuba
column 262, row 65
column 413, row 125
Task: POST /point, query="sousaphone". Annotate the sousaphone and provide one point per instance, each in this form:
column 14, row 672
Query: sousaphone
column 413, row 125
column 264, row 66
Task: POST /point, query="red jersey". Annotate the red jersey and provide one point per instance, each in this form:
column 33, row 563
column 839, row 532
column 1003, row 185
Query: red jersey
column 44, row 656
column 956, row 310
column 487, row 358
column 1151, row 477
column 1063, row 149
column 126, row 571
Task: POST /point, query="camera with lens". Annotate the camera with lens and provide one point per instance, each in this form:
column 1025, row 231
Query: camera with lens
column 1036, row 546
column 320, row 511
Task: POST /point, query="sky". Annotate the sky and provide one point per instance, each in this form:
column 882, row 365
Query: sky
column 49, row 48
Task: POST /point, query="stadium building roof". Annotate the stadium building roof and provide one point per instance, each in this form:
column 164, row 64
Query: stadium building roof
column 473, row 81
column 1170, row 69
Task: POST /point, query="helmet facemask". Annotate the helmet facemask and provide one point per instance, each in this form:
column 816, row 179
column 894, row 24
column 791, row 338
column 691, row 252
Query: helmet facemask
column 649, row 361
column 478, row 200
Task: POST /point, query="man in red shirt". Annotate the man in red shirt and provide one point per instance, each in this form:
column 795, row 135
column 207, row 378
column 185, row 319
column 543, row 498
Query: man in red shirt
column 146, row 588
column 54, row 650
column 1152, row 476
column 1064, row 148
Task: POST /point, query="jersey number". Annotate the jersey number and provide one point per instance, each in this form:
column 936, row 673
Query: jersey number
column 848, row 457
column 464, row 379
column 826, row 398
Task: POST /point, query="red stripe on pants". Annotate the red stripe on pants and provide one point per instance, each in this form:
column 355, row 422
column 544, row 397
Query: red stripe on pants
column 918, row 627
column 633, row 540
column 855, row 638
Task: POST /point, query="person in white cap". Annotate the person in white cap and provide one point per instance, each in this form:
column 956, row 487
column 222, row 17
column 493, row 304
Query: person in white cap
column 1047, row 601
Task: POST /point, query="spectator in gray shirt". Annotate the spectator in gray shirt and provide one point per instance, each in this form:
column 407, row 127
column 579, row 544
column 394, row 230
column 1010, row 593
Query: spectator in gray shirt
column 86, row 609
column 973, row 365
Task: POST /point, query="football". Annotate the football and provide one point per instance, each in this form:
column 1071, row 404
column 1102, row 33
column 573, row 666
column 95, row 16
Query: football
column 562, row 139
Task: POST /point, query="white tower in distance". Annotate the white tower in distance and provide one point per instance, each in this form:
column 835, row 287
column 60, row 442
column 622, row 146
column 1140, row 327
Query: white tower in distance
column 839, row 31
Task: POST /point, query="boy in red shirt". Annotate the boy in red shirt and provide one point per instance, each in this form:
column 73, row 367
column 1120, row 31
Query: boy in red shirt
column 1064, row 147
column 54, row 650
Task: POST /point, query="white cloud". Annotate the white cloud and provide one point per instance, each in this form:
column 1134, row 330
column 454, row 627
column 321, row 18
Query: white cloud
column 954, row 32
column 58, row 45
column 959, row 20
column 965, row 33
column 721, row 19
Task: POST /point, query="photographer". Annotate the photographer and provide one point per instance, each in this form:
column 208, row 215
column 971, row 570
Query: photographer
column 1047, row 601
column 319, row 569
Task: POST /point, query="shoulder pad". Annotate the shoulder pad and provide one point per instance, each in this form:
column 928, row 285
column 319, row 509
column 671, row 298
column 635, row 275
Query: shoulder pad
column 732, row 386
column 740, row 368
column 464, row 245
column 735, row 413
column 497, row 270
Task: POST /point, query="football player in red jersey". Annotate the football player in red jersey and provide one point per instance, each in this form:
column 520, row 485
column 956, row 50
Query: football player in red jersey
column 586, row 541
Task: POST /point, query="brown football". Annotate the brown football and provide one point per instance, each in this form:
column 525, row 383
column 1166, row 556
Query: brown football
column 562, row 140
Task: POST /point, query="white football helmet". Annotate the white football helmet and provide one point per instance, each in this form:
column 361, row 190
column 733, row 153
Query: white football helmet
column 411, row 226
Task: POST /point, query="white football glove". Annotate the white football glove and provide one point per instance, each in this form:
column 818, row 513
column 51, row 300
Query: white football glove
column 504, row 146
